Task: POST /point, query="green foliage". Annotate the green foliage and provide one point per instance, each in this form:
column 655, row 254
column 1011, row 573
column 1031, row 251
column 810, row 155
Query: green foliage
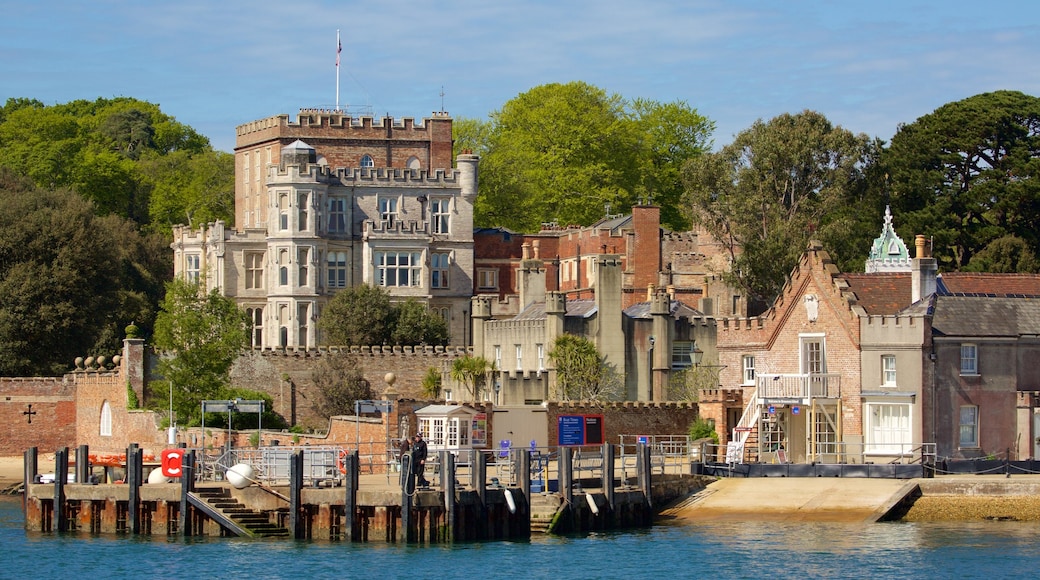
column 364, row 316
column 132, row 401
column 687, row 384
column 340, row 382
column 563, row 152
column 581, row 373
column 1006, row 255
column 703, row 428
column 70, row 281
column 968, row 174
column 202, row 334
column 776, row 185
column 474, row 373
column 431, row 383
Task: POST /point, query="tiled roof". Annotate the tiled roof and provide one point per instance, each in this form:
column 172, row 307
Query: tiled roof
column 971, row 283
column 676, row 309
column 880, row 292
column 575, row 309
column 979, row 316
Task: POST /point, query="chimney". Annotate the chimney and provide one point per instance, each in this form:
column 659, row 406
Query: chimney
column 922, row 271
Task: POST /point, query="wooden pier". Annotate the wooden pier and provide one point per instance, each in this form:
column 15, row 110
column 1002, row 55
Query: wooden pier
column 364, row 508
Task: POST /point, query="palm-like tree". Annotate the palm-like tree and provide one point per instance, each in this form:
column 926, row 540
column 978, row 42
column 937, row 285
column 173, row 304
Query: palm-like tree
column 473, row 372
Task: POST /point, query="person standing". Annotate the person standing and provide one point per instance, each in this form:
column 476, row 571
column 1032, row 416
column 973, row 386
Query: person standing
column 419, row 459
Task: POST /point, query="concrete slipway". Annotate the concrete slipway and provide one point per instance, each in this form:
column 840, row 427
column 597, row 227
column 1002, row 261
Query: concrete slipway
column 794, row 499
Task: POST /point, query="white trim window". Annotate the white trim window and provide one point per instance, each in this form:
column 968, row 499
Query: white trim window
column 398, row 268
column 747, row 363
column 541, row 357
column 367, row 162
column 192, row 268
column 888, row 428
column 106, row 419
column 519, row 357
column 303, row 260
column 440, row 262
column 256, row 316
column 969, row 359
column 337, row 270
column 969, row 427
column 888, row 370
column 498, row 357
column 254, row 270
column 303, row 211
column 440, row 215
column 283, row 212
column 337, row 215
column 487, row 279
column 682, row 355
column 388, row 211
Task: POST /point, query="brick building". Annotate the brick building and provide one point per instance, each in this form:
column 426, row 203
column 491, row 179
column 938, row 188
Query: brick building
column 332, row 201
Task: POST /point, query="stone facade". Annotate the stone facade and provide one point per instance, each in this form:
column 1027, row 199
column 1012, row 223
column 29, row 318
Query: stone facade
column 400, row 217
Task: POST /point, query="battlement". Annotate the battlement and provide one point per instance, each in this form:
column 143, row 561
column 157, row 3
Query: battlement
column 338, row 120
column 579, row 405
column 372, row 351
column 396, row 227
column 371, row 176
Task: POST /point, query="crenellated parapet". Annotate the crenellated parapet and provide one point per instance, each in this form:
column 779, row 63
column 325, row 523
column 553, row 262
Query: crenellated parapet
column 311, row 119
column 593, row 406
column 370, row 351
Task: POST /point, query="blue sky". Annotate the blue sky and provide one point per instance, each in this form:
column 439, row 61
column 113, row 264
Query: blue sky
column 867, row 66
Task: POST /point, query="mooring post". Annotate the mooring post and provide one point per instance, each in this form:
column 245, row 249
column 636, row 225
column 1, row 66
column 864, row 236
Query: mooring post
column 134, row 472
column 407, row 489
column 448, row 485
column 524, row 473
column 647, row 480
column 566, row 474
column 295, row 492
column 29, row 476
column 480, row 480
column 83, row 464
column 609, row 480
column 352, row 526
column 187, row 486
column 61, row 476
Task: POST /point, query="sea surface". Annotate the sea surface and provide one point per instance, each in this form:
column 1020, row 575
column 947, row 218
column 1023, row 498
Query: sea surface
column 709, row 550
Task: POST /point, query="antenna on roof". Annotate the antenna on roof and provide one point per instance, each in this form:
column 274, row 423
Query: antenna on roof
column 442, row 98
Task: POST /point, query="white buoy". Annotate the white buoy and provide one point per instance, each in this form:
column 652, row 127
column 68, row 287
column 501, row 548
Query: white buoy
column 156, row 476
column 240, row 475
column 592, row 503
column 509, row 501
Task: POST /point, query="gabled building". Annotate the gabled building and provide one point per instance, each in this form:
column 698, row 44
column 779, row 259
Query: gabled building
column 332, row 201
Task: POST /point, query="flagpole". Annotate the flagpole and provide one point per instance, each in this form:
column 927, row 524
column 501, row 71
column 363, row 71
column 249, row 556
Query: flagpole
column 339, row 49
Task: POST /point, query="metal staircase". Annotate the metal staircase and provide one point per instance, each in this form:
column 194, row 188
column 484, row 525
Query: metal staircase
column 233, row 516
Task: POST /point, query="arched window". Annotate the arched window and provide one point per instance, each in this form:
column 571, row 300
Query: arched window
column 366, row 162
column 106, row 419
column 414, row 163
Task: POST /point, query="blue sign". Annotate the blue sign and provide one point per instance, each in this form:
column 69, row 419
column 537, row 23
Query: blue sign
column 772, row 410
column 795, row 409
column 571, row 429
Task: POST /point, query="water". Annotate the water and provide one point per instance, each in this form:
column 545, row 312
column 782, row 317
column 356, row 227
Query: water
column 715, row 550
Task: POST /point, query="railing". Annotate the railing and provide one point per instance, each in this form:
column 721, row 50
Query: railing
column 843, row 452
column 798, row 387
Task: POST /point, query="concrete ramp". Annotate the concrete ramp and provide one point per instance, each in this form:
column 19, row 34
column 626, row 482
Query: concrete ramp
column 793, row 499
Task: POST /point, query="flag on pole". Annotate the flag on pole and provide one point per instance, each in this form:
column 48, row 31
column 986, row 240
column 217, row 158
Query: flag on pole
column 339, row 48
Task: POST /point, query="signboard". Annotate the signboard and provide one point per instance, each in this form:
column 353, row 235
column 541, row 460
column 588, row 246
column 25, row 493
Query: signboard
column 579, row 430
column 237, row 406
column 795, row 409
column 172, row 462
column 478, row 430
column 772, row 410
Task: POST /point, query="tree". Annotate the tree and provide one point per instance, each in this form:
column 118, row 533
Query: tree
column 70, row 281
column 474, row 373
column 431, row 383
column 364, row 316
column 201, row 335
column 340, row 382
column 776, row 185
column 967, row 174
column 1006, row 255
column 568, row 152
column 581, row 373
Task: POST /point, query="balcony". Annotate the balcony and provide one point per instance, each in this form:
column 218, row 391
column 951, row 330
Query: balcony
column 800, row 388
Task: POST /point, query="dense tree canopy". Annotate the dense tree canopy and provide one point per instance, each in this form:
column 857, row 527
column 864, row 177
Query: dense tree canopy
column 340, row 382
column 125, row 155
column 70, row 281
column 363, row 315
column 968, row 174
column 779, row 183
column 568, row 152
column 582, row 374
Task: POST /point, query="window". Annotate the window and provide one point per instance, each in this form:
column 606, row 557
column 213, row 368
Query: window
column 283, row 212
column 812, row 356
column 283, row 325
column 888, row 370
column 487, row 279
column 398, row 269
column 302, row 212
column 541, row 357
column 254, row 270
column 748, row 364
column 303, row 258
column 388, row 211
column 444, row 312
column 969, row 426
column 969, row 359
column 366, row 162
column 106, row 419
column 440, row 215
column 337, row 215
column 682, row 352
column 192, row 268
column 498, row 357
column 888, row 428
column 519, row 357
column 256, row 315
column 337, row 270
column 439, row 263
column 283, row 267
column 302, row 317
column 413, row 163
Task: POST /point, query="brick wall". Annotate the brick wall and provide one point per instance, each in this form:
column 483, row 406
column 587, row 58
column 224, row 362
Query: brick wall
column 51, row 400
column 627, row 418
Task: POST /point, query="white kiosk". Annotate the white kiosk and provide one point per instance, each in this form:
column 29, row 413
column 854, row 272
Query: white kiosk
column 453, row 428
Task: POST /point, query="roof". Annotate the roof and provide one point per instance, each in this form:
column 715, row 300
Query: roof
column 881, row 292
column 984, row 316
column 676, row 310
column 973, row 283
column 575, row 309
column 445, row 410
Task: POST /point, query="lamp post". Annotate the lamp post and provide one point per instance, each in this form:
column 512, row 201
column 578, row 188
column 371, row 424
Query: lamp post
column 650, row 370
column 697, row 356
column 171, row 432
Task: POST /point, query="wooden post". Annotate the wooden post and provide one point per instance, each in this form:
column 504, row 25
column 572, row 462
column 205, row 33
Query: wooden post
column 646, row 481
column 524, row 473
column 29, row 476
column 407, row 489
column 608, row 475
column 448, row 485
column 480, row 477
column 184, row 518
column 61, row 476
column 295, row 491
column 566, row 475
column 350, row 511
column 83, row 464
column 134, row 472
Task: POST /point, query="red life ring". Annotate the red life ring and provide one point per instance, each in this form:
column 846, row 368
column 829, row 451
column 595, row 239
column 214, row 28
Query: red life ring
column 342, row 461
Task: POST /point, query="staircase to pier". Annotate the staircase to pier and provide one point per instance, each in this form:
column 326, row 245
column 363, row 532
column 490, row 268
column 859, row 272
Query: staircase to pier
column 235, row 517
